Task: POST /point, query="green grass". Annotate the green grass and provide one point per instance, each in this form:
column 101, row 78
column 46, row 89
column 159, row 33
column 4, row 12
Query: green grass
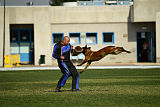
column 99, row 88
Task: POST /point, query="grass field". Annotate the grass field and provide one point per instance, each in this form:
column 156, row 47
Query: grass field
column 99, row 88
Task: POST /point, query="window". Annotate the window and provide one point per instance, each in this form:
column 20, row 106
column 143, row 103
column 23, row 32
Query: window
column 14, row 36
column 108, row 37
column 24, row 35
column 75, row 38
column 19, row 35
column 56, row 37
column 91, row 38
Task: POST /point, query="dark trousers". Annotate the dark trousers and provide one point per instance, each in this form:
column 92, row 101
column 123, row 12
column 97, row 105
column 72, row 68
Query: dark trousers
column 68, row 69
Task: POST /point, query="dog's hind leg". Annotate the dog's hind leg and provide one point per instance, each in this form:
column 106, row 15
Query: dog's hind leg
column 85, row 67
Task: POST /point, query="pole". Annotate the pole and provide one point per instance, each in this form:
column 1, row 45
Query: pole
column 4, row 33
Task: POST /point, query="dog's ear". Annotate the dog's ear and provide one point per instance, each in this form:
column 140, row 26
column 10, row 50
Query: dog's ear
column 71, row 47
column 121, row 47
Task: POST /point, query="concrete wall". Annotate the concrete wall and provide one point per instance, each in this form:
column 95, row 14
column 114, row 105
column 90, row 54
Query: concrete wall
column 21, row 15
column 60, row 14
column 1, row 35
column 29, row 15
column 7, row 39
column 89, row 14
column 145, row 10
column 95, row 19
column 42, row 35
column 158, row 37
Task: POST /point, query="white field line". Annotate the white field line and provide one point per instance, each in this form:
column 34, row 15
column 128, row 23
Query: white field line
column 90, row 67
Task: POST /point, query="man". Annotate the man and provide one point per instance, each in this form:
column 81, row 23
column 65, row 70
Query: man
column 145, row 51
column 62, row 52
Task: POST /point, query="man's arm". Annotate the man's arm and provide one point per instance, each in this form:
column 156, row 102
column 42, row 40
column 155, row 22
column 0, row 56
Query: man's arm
column 56, row 52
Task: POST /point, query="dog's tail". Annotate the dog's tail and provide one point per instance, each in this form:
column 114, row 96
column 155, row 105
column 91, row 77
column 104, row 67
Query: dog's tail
column 118, row 50
column 126, row 51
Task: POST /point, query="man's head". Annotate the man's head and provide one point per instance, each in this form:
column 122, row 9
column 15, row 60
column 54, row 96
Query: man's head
column 66, row 40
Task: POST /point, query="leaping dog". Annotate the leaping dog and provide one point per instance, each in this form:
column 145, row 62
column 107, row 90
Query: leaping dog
column 91, row 56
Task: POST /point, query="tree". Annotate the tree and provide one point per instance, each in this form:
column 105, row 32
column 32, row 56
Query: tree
column 55, row 2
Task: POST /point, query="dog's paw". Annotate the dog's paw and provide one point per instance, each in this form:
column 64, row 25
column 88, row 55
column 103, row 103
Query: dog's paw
column 81, row 71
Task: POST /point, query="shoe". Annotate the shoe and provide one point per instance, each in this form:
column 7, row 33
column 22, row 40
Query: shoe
column 57, row 90
column 75, row 90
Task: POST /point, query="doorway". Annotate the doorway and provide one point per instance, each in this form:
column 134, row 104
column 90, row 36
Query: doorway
column 22, row 42
column 145, row 47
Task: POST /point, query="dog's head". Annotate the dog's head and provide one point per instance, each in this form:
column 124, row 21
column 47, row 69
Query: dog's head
column 86, row 49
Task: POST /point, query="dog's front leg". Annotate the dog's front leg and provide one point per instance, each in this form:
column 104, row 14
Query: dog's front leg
column 82, row 63
column 85, row 67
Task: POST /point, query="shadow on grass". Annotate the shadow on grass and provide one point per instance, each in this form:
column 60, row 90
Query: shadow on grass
column 91, row 90
column 62, row 91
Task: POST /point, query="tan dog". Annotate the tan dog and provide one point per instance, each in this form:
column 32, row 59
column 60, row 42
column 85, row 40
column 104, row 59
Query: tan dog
column 91, row 56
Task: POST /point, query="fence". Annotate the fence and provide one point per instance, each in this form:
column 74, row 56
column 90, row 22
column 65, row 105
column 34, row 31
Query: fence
column 12, row 60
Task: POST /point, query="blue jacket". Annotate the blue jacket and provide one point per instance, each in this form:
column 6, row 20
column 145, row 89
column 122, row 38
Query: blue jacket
column 61, row 50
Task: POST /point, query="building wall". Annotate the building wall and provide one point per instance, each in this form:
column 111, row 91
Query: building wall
column 158, row 37
column 94, row 19
column 44, row 18
column 29, row 15
column 7, row 39
column 21, row 15
column 1, row 36
column 48, row 20
column 89, row 14
column 145, row 10
column 42, row 35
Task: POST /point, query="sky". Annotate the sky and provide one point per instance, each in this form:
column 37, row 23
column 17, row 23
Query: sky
column 24, row 2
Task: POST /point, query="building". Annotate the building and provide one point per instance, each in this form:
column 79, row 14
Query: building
column 37, row 28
